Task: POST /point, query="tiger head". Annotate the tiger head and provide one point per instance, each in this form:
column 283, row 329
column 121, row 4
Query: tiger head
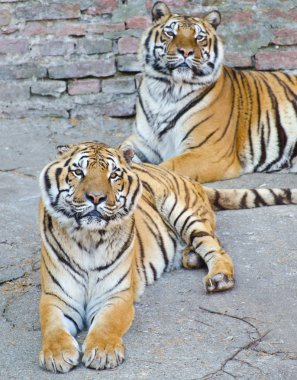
column 90, row 185
column 181, row 47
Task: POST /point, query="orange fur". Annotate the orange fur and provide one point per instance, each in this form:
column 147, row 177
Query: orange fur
column 107, row 230
column 203, row 119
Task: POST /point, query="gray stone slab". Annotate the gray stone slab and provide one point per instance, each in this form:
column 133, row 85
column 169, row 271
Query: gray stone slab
column 179, row 331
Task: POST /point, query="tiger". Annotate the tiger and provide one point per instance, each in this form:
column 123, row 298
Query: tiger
column 108, row 228
column 200, row 118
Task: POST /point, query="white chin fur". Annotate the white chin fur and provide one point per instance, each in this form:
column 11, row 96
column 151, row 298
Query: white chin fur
column 182, row 74
column 93, row 224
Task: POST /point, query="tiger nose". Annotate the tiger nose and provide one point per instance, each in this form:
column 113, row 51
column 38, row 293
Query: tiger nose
column 96, row 199
column 185, row 52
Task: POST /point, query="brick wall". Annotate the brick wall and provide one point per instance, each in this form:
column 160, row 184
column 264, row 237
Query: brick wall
column 77, row 59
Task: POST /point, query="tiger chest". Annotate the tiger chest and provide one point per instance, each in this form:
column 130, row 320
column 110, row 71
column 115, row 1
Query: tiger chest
column 159, row 129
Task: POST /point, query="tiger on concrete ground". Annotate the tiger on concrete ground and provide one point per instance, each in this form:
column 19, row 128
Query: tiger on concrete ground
column 203, row 119
column 110, row 227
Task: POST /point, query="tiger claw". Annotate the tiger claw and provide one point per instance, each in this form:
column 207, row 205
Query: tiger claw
column 219, row 282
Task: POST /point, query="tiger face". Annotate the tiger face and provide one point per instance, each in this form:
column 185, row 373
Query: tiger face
column 90, row 186
column 184, row 48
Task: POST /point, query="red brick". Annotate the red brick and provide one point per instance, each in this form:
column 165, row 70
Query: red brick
column 248, row 36
column 58, row 29
column 48, row 12
column 119, row 85
column 84, row 86
column 14, row 46
column 238, row 60
column 171, row 3
column 54, row 48
column 103, row 67
column 274, row 13
column 5, row 18
column 275, row 60
column 128, row 45
column 108, row 27
column 284, row 36
column 10, row 29
column 240, row 17
column 26, row 70
column 101, row 7
column 138, row 22
column 119, row 108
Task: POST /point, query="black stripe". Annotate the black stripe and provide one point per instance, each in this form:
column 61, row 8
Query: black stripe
column 55, row 280
column 282, row 137
column 195, row 126
column 122, row 250
column 141, row 255
column 65, row 258
column 179, row 215
column 185, row 109
column 72, row 320
column 173, row 207
column 263, row 157
column 216, row 201
column 198, row 234
column 157, row 236
column 205, row 140
column 259, row 201
column 181, row 231
column 206, row 254
column 62, row 300
column 154, row 272
column 282, row 199
column 243, row 201
column 215, row 46
column 228, row 124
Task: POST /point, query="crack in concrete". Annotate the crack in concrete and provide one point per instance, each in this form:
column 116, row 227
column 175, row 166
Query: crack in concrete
column 25, row 262
column 17, row 172
column 5, row 242
column 18, row 290
column 233, row 356
column 9, row 170
column 248, row 364
column 242, row 319
column 253, row 342
column 282, row 354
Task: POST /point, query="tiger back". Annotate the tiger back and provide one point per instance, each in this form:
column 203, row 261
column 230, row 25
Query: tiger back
column 203, row 119
column 109, row 228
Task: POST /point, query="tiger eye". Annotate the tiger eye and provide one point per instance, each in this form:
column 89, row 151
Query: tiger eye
column 78, row 172
column 200, row 38
column 170, row 34
column 113, row 175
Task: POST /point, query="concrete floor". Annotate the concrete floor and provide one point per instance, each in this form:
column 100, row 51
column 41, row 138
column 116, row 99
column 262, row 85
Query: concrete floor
column 179, row 331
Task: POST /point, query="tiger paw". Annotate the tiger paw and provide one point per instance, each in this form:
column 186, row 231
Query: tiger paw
column 191, row 259
column 103, row 354
column 218, row 282
column 60, row 353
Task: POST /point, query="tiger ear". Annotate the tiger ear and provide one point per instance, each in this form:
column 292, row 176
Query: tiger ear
column 61, row 149
column 213, row 18
column 160, row 10
column 127, row 152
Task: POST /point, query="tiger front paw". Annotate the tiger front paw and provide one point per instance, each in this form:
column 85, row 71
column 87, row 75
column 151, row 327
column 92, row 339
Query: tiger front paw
column 221, row 276
column 60, row 352
column 218, row 282
column 103, row 353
